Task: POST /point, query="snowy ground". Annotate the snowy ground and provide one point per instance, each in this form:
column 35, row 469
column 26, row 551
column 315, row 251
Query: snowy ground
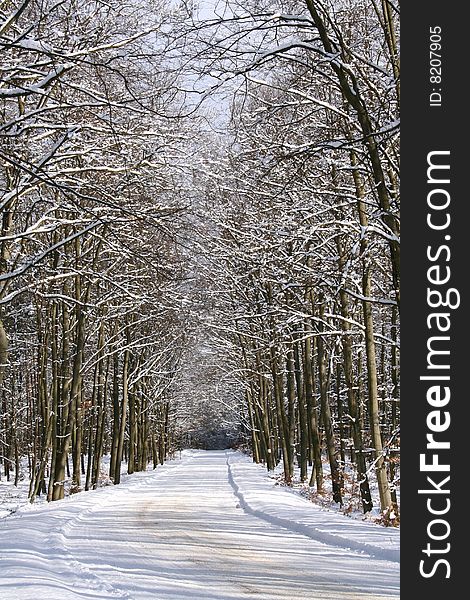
column 352, row 506
column 211, row 526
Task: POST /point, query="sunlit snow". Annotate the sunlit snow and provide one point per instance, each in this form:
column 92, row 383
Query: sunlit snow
column 208, row 526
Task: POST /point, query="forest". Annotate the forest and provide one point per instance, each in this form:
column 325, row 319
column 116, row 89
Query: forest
column 199, row 242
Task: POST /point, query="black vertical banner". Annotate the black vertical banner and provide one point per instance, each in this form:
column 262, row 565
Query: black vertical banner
column 434, row 358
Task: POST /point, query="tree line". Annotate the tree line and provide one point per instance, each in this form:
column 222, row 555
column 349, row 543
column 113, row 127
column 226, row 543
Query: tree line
column 304, row 240
column 170, row 175
column 91, row 328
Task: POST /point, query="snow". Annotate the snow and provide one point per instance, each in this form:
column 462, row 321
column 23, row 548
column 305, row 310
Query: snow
column 299, row 515
column 39, row 87
column 207, row 526
column 35, row 45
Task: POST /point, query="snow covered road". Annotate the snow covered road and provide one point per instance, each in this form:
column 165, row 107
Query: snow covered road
column 178, row 533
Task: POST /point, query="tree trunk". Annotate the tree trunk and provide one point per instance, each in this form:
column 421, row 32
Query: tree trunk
column 352, row 392
column 336, row 473
column 123, row 417
column 314, row 433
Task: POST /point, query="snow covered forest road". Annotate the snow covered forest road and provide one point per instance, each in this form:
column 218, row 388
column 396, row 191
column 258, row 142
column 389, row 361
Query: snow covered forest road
column 178, row 533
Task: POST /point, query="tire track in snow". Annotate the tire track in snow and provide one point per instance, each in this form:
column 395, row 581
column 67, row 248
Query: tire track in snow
column 311, row 531
column 178, row 534
column 59, row 539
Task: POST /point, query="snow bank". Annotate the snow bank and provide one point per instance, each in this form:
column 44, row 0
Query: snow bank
column 260, row 496
column 36, row 559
